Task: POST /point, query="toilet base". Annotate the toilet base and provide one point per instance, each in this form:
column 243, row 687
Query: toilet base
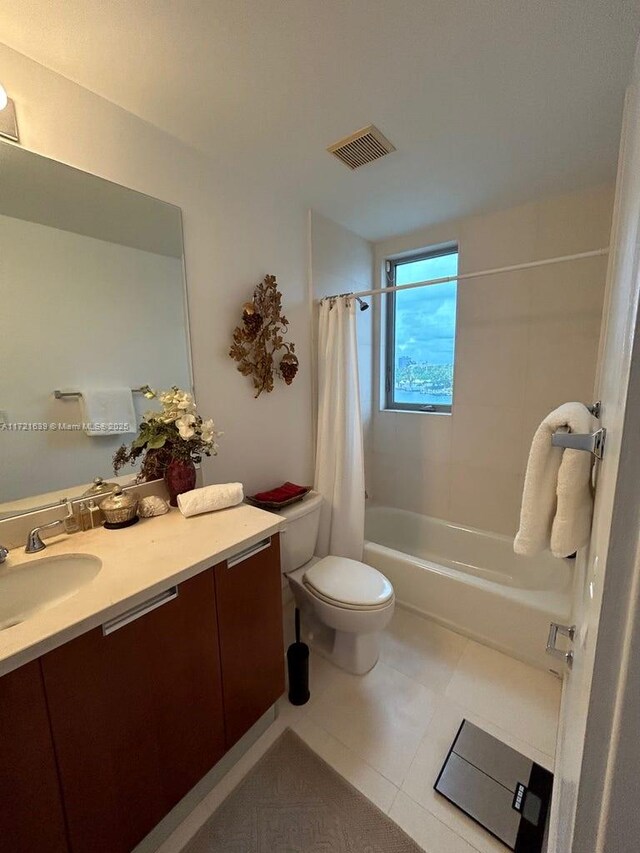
column 357, row 653
column 352, row 652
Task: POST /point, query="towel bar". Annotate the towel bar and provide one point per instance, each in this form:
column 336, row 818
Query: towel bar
column 591, row 442
column 64, row 395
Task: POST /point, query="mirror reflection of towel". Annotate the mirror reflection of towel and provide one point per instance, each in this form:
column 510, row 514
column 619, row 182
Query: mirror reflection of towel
column 108, row 411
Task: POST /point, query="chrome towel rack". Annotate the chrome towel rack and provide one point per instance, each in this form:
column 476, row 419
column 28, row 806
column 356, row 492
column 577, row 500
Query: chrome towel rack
column 592, row 442
column 66, row 395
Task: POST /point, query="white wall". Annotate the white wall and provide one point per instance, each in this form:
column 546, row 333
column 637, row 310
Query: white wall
column 342, row 262
column 607, row 819
column 525, row 343
column 79, row 313
column 238, row 227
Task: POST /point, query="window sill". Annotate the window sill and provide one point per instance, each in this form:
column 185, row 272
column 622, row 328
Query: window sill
column 416, row 412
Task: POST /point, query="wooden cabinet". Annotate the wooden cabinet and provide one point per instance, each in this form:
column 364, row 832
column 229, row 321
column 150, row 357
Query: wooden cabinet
column 249, row 601
column 136, row 715
column 31, row 816
column 102, row 736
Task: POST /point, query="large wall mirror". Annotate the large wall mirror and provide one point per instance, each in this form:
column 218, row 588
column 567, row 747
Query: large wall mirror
column 93, row 298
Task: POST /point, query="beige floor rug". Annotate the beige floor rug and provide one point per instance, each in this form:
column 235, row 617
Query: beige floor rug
column 292, row 802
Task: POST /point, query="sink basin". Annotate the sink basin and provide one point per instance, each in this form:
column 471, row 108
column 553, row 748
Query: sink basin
column 27, row 589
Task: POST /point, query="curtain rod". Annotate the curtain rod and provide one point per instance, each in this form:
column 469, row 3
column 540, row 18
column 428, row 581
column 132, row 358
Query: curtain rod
column 513, row 268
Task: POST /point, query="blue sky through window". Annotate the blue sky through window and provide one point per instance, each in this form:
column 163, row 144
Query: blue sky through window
column 425, row 324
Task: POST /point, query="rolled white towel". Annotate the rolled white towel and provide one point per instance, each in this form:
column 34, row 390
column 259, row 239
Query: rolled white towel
column 210, row 498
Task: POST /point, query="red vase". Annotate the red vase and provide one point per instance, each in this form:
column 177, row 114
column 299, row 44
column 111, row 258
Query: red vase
column 180, row 476
column 153, row 466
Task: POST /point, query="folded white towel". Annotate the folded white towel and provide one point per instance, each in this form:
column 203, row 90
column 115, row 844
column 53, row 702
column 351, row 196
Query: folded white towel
column 557, row 501
column 108, row 411
column 210, row 498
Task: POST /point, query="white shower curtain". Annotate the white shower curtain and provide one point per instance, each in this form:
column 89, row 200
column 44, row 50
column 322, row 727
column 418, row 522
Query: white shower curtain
column 339, row 473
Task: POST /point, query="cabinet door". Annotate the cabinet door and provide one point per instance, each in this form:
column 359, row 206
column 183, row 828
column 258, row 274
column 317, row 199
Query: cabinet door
column 31, row 816
column 249, row 598
column 136, row 716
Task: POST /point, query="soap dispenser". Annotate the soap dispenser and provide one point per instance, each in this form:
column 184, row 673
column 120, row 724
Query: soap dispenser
column 96, row 516
column 84, row 517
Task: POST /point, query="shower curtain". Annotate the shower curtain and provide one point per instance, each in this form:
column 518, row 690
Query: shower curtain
column 339, row 475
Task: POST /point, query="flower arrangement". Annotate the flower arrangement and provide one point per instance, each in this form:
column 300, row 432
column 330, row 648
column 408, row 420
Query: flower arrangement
column 177, row 433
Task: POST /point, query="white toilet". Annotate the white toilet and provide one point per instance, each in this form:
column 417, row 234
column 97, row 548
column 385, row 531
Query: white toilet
column 345, row 604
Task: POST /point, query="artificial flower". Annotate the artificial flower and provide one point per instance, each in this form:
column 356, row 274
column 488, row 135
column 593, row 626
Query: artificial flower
column 175, row 432
column 185, row 426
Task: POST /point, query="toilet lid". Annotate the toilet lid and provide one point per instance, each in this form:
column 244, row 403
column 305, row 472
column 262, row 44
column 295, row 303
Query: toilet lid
column 349, row 582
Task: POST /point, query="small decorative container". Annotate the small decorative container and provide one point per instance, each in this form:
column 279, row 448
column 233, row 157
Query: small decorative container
column 99, row 489
column 179, row 477
column 119, row 509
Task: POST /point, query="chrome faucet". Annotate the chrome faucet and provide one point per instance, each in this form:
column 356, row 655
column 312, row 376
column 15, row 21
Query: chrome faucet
column 34, row 542
column 4, row 553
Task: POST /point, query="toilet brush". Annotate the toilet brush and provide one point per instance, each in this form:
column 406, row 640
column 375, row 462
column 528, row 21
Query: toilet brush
column 298, row 666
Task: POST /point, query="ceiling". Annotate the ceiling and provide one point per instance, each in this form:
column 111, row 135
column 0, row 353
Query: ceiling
column 488, row 102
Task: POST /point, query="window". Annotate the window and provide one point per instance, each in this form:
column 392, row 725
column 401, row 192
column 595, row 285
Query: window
column 421, row 332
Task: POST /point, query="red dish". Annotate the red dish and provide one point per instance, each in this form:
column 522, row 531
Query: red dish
column 284, row 495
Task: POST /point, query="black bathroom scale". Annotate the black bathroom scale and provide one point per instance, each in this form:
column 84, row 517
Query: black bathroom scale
column 502, row 790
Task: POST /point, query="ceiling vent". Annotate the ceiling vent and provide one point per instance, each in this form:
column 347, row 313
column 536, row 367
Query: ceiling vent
column 362, row 147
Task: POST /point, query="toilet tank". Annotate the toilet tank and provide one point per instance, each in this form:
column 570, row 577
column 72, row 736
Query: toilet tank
column 300, row 534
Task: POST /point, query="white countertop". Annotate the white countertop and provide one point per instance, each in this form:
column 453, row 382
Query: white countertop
column 137, row 562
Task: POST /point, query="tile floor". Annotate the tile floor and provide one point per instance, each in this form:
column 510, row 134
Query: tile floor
column 389, row 731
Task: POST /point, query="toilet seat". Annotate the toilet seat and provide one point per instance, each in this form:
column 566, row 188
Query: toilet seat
column 361, row 608
column 348, row 584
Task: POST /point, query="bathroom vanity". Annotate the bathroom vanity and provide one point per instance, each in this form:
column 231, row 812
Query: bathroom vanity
column 131, row 660
column 116, row 701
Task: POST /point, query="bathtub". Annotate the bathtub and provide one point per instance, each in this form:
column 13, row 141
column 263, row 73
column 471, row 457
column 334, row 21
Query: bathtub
column 470, row 580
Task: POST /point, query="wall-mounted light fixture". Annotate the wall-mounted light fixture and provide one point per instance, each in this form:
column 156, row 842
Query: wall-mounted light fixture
column 8, row 121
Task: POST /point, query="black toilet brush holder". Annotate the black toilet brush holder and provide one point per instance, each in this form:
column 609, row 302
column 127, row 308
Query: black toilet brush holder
column 298, row 667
